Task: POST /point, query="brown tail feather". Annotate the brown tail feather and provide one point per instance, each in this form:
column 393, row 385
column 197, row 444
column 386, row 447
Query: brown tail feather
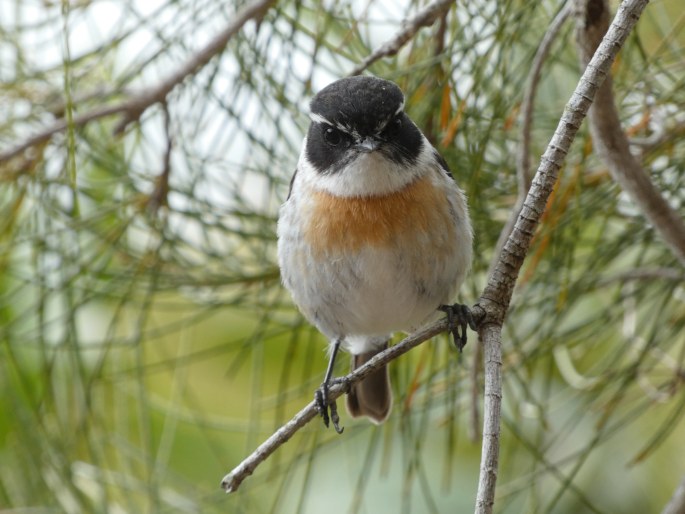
column 372, row 396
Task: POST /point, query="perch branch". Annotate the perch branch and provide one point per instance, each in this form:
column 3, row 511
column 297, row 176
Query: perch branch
column 232, row 481
column 610, row 140
column 133, row 108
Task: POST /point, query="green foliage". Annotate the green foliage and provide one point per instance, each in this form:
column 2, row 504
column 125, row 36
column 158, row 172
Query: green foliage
column 146, row 345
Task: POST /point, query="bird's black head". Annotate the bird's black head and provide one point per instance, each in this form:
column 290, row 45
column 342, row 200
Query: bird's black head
column 356, row 116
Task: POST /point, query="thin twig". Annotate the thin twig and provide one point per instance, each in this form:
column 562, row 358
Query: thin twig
column 254, row 11
column 424, row 18
column 133, row 108
column 60, row 126
column 523, row 156
column 497, row 295
column 611, row 143
column 232, row 481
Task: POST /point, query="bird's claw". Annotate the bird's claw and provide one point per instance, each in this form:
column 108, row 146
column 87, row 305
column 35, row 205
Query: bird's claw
column 324, row 406
column 459, row 317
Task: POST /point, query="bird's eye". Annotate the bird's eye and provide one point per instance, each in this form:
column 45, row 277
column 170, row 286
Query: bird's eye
column 397, row 122
column 332, row 136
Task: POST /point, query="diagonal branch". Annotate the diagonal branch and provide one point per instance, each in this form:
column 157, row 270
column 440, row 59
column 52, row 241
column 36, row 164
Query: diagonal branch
column 610, row 140
column 255, row 10
column 424, row 18
column 232, row 481
column 133, row 108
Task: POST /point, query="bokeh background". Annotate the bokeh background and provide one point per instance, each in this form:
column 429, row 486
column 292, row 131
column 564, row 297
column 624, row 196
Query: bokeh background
column 146, row 345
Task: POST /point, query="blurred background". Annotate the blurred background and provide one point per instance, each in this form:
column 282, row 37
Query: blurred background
column 147, row 346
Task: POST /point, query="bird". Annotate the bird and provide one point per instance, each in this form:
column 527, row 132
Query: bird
column 374, row 237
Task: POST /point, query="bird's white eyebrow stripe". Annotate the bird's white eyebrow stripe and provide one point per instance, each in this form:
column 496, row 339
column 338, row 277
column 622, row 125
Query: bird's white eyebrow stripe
column 399, row 109
column 317, row 118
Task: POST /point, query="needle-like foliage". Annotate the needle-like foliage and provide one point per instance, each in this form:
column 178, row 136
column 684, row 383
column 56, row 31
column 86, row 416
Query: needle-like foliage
column 146, row 344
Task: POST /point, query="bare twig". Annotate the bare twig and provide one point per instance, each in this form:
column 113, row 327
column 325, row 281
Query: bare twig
column 677, row 503
column 523, row 156
column 410, row 27
column 133, row 108
column 611, row 143
column 253, row 11
column 497, row 295
column 60, row 126
column 232, row 481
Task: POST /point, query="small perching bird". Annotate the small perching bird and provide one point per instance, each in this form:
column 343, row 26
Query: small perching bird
column 375, row 236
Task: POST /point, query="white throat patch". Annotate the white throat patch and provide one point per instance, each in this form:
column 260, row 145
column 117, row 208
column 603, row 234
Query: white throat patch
column 370, row 174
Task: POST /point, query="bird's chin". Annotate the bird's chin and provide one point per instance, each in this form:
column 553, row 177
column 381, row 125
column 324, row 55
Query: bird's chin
column 369, row 174
column 361, row 174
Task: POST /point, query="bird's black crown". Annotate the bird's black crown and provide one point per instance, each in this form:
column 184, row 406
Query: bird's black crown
column 362, row 103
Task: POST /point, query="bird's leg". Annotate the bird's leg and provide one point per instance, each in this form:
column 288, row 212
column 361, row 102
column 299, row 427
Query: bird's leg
column 321, row 394
column 458, row 317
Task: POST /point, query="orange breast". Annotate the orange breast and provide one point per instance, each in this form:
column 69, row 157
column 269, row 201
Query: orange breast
column 418, row 213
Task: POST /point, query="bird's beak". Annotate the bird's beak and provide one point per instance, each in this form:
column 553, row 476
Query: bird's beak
column 368, row 144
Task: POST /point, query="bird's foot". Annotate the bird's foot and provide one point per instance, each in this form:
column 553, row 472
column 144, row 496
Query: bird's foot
column 459, row 317
column 324, row 406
